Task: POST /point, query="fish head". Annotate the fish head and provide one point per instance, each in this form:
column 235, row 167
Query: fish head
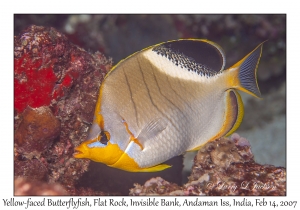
column 101, row 146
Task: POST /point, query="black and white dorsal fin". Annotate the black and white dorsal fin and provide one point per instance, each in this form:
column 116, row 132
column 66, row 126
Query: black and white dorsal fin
column 198, row 55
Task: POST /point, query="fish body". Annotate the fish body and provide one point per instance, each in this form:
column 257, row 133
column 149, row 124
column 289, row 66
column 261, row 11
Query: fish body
column 165, row 100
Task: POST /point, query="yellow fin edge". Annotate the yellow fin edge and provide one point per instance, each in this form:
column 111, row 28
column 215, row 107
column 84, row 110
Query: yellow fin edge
column 127, row 163
column 229, row 125
column 240, row 114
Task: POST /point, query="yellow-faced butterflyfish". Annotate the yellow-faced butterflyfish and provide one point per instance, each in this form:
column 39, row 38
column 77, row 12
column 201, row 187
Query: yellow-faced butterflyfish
column 165, row 100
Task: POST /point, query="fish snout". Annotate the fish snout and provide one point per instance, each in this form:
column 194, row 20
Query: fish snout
column 80, row 151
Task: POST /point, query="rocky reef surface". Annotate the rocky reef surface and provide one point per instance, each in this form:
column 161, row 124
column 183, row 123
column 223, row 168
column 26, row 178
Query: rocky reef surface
column 56, row 86
column 223, row 167
column 118, row 36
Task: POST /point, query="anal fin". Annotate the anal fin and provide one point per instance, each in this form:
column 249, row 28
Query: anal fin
column 232, row 119
column 159, row 167
column 235, row 113
column 196, row 148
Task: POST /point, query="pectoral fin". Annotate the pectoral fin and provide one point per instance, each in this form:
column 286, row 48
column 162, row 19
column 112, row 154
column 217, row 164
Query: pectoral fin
column 152, row 130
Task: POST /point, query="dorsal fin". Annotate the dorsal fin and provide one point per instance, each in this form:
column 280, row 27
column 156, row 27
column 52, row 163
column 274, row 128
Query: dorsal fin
column 201, row 56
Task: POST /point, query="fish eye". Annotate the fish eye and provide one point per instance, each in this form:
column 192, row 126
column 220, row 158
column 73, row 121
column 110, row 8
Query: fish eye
column 104, row 137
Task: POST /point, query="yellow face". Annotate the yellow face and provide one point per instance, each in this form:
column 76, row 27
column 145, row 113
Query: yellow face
column 99, row 149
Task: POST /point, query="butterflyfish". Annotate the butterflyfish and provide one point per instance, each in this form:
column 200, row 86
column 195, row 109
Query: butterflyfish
column 165, row 100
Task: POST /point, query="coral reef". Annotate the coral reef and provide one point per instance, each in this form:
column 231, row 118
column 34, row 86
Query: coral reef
column 38, row 129
column 117, row 182
column 26, row 187
column 56, row 87
column 121, row 35
column 223, row 167
column 156, row 186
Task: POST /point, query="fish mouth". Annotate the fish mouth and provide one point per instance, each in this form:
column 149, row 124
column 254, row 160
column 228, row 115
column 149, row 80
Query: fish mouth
column 77, row 153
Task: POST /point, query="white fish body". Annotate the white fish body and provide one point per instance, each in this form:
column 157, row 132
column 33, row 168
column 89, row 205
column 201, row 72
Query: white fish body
column 162, row 102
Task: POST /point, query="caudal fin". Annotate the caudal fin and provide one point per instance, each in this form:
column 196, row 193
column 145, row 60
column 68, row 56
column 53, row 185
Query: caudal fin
column 247, row 68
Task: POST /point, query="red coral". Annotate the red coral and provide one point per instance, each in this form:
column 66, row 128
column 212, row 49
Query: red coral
column 33, row 84
column 46, row 65
column 56, row 88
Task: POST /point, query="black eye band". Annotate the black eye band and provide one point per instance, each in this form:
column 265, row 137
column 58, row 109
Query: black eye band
column 103, row 138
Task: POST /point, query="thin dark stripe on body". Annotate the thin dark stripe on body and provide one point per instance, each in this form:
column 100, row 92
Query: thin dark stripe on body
column 133, row 103
column 155, row 78
column 160, row 111
column 182, row 99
